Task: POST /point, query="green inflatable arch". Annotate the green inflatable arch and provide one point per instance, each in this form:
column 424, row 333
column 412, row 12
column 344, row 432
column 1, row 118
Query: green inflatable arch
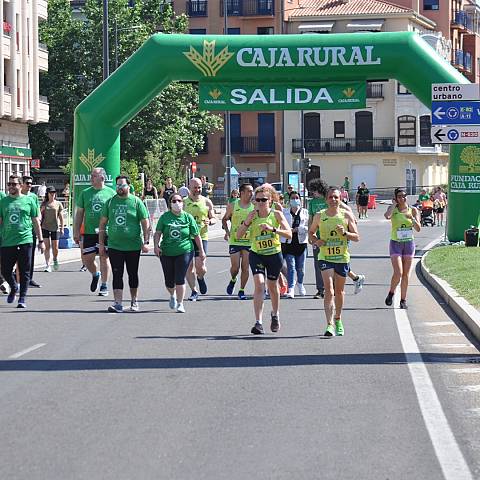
column 263, row 59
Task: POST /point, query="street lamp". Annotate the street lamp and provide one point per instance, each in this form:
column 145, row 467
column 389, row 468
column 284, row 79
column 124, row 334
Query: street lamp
column 106, row 56
column 115, row 31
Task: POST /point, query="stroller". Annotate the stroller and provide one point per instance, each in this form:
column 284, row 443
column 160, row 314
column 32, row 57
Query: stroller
column 426, row 216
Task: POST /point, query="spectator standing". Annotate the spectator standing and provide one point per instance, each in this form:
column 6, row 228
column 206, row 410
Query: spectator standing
column 168, row 190
column 440, row 203
column 362, row 200
column 42, row 191
column 51, row 212
column 346, row 184
column 149, row 192
column 344, row 195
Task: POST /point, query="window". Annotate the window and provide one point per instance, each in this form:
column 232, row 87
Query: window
column 311, row 126
column 264, row 30
column 339, row 129
column 407, row 131
column 198, row 31
column 233, row 31
column 425, row 138
column 401, row 90
column 430, row 4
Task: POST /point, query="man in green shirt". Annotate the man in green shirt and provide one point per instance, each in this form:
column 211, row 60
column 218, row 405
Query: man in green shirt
column 27, row 182
column 127, row 217
column 18, row 215
column 4, row 288
column 89, row 209
column 423, row 196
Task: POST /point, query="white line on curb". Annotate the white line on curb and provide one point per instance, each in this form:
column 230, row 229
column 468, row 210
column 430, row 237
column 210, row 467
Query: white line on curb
column 449, row 455
column 27, row 350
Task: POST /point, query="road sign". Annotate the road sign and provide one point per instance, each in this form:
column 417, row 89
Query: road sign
column 455, row 91
column 456, row 113
column 456, row 134
column 193, row 167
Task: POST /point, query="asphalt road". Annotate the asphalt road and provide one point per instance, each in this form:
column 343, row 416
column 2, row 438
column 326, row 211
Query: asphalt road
column 85, row 394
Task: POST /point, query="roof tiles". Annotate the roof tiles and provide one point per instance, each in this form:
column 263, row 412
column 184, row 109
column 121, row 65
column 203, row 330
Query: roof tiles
column 345, row 7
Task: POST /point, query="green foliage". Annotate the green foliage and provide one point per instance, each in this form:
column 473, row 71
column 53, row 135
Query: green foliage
column 130, row 168
column 171, row 126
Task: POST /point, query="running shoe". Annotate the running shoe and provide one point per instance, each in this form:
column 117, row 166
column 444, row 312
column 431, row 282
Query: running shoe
column 134, row 306
column 301, row 289
column 359, row 284
column 48, row 268
column 291, row 293
column 172, row 303
column 267, row 294
column 275, row 323
column 330, row 331
column 115, row 308
column 257, row 329
column 283, row 290
column 21, row 303
column 11, row 296
column 83, row 268
column 103, row 292
column 202, row 285
column 4, row 288
column 230, row 286
column 241, row 295
column 339, row 330
column 320, row 293
column 33, row 283
column 56, row 266
column 389, row 299
column 94, row 284
column 194, row 296
column 180, row 308
column 403, row 305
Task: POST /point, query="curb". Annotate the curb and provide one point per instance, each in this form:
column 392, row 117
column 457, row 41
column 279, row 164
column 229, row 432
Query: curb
column 468, row 314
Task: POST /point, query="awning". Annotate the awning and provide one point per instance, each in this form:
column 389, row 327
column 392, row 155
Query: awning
column 365, row 25
column 15, row 152
column 318, row 27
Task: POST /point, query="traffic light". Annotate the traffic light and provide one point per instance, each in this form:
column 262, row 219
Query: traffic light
column 307, row 165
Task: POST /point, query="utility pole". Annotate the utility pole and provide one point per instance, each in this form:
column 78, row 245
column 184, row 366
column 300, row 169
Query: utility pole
column 106, row 55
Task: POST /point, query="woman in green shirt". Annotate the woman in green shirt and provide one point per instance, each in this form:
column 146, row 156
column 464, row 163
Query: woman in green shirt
column 176, row 229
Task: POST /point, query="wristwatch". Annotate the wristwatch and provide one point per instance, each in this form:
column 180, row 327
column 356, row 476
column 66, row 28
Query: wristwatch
column 274, row 230
column 147, row 242
column 41, row 241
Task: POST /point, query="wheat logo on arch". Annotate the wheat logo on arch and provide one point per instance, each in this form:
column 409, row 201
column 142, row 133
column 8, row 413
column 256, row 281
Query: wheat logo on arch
column 90, row 160
column 471, row 156
column 209, row 63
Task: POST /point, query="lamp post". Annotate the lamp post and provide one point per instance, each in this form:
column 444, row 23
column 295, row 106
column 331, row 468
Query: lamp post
column 228, row 153
column 115, row 36
column 106, row 56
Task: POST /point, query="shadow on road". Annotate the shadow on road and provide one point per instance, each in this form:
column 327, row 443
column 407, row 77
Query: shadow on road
column 233, row 362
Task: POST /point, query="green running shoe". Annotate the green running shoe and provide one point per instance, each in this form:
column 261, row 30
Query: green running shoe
column 330, row 331
column 339, row 328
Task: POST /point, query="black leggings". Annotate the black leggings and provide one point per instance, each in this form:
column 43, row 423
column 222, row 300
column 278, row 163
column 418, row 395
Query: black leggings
column 175, row 268
column 10, row 256
column 120, row 258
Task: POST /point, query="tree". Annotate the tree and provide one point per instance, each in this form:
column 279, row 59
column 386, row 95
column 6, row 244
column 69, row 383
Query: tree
column 170, row 127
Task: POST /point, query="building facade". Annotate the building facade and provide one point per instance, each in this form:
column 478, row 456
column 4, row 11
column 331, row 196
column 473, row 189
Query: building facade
column 22, row 59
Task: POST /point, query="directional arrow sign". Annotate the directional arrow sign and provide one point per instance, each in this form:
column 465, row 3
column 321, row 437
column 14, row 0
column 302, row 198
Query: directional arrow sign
column 456, row 113
column 456, row 134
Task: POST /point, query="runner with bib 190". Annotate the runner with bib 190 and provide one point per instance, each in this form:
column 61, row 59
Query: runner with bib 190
column 404, row 219
column 238, row 249
column 266, row 226
column 336, row 228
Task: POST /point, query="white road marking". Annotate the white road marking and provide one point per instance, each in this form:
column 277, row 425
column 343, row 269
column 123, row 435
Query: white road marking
column 222, row 271
column 438, row 324
column 450, row 345
column 465, row 370
column 432, row 243
column 449, row 455
column 469, row 388
column 443, row 334
column 27, row 350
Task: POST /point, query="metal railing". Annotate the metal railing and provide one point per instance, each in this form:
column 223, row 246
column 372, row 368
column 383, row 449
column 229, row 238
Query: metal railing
column 197, row 8
column 465, row 20
column 43, row 99
column 248, row 8
column 250, row 144
column 312, row 145
column 374, row 90
column 43, row 47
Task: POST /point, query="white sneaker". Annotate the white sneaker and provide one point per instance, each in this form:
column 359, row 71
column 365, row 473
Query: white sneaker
column 134, row 306
column 291, row 293
column 5, row 288
column 359, row 284
column 48, row 268
column 180, row 308
column 301, row 289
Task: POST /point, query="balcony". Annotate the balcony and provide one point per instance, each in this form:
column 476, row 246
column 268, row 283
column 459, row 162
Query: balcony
column 249, row 144
column 42, row 57
column 374, row 90
column 325, row 145
column 462, row 60
column 42, row 9
column 197, row 8
column 464, row 21
column 43, row 109
column 248, row 8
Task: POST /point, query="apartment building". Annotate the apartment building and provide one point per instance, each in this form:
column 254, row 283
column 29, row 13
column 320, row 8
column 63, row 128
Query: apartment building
column 22, row 58
column 256, row 137
column 387, row 143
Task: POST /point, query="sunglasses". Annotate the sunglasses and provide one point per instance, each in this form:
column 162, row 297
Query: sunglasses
column 28, row 183
column 176, row 201
column 11, row 184
column 263, row 200
column 401, row 196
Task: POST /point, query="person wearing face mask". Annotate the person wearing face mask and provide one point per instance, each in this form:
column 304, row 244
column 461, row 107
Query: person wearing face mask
column 294, row 250
column 89, row 208
column 176, row 229
column 128, row 236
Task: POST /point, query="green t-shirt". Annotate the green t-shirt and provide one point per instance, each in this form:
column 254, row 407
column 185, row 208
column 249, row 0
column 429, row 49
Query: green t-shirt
column 424, row 197
column 16, row 214
column 2, row 195
column 124, row 227
column 315, row 205
column 92, row 201
column 177, row 233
